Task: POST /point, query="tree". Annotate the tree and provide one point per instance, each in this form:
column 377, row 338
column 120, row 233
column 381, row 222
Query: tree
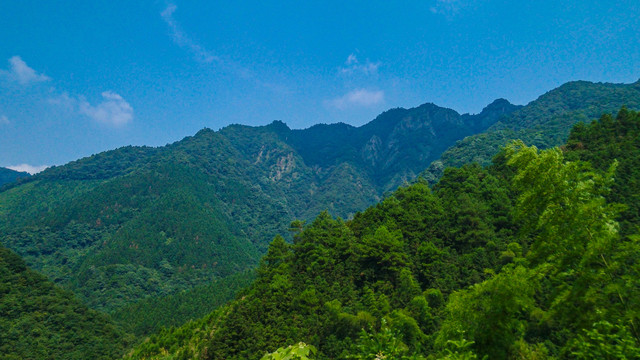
column 300, row 351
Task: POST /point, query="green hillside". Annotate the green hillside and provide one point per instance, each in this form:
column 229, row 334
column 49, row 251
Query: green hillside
column 523, row 259
column 38, row 320
column 9, row 176
column 142, row 222
column 545, row 122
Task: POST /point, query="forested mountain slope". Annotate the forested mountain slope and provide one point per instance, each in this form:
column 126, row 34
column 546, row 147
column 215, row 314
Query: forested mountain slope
column 141, row 222
column 38, row 320
column 397, row 145
column 545, row 122
column 523, row 259
column 8, row 175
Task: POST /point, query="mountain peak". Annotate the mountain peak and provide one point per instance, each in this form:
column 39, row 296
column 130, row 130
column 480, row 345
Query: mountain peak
column 499, row 106
column 497, row 103
column 430, row 106
column 490, row 114
column 278, row 125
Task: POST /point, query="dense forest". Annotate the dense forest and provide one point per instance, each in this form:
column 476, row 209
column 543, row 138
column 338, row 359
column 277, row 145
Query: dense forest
column 141, row 223
column 38, row 320
column 535, row 256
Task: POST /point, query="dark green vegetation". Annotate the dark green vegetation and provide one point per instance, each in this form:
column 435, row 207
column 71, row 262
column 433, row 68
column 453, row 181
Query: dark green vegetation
column 545, row 122
column 151, row 314
column 617, row 139
column 8, row 175
column 519, row 260
column 141, row 222
column 38, row 320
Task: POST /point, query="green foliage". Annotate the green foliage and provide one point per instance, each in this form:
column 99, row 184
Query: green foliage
column 38, row 320
column 149, row 315
column 459, row 350
column 571, row 216
column 605, row 341
column 492, row 314
column 606, row 139
column 299, row 351
column 383, row 344
column 186, row 342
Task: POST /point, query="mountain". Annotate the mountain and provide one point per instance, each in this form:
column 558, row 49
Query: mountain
column 8, row 175
column 519, row 260
column 545, row 122
column 38, row 320
column 140, row 222
column 397, row 145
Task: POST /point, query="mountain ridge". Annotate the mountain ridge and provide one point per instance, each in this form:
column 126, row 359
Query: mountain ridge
column 544, row 122
column 136, row 222
column 8, row 176
column 140, row 222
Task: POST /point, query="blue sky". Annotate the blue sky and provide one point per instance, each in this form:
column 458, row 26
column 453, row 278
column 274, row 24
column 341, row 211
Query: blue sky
column 77, row 78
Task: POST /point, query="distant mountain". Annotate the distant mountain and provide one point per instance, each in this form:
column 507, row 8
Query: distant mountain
column 141, row 222
column 38, row 320
column 397, row 145
column 545, row 122
column 8, row 175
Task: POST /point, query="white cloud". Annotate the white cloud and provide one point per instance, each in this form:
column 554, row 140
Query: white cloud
column 353, row 66
column 64, row 100
column 21, row 72
column 113, row 110
column 357, row 98
column 28, row 168
column 182, row 39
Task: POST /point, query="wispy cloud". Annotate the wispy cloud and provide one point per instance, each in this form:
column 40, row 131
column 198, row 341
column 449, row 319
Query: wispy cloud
column 204, row 55
column 353, row 66
column 64, row 100
column 448, row 7
column 20, row 72
column 357, row 98
column 28, row 168
column 182, row 39
column 113, row 110
column 4, row 120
